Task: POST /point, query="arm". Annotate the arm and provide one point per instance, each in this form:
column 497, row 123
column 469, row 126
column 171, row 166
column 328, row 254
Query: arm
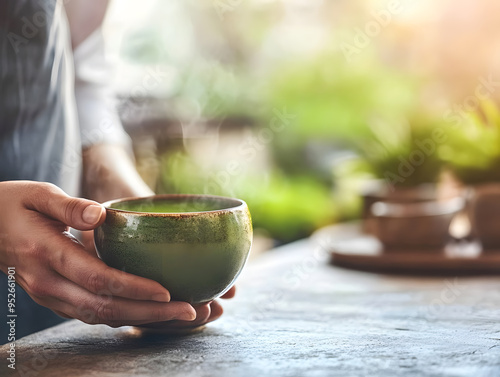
column 109, row 171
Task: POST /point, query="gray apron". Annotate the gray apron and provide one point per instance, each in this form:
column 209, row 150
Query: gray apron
column 39, row 135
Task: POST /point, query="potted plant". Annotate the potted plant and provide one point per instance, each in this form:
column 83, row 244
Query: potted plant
column 401, row 157
column 473, row 155
column 404, row 161
column 330, row 99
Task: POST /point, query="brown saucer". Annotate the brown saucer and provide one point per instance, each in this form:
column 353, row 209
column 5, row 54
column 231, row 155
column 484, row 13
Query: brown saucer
column 350, row 248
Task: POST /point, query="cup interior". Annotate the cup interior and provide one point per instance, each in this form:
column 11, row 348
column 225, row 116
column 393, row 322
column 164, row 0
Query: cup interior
column 175, row 204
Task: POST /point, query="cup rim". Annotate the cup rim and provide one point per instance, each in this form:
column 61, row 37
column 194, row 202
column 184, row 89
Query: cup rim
column 238, row 204
column 450, row 206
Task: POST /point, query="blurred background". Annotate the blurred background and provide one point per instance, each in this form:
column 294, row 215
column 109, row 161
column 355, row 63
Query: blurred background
column 306, row 109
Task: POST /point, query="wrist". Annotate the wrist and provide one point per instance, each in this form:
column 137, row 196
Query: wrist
column 109, row 173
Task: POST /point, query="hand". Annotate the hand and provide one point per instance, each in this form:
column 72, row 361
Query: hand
column 110, row 174
column 204, row 314
column 57, row 272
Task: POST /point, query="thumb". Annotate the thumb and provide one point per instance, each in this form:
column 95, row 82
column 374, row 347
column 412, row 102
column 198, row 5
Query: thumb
column 50, row 200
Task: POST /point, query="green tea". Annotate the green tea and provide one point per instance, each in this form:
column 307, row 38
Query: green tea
column 171, row 206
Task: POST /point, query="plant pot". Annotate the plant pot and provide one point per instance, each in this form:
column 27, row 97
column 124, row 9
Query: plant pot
column 415, row 226
column 378, row 191
column 484, row 213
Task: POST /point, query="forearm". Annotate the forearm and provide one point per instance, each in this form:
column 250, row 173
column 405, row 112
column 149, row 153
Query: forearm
column 109, row 173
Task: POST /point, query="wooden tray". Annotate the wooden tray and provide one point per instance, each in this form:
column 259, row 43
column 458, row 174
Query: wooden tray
column 350, row 248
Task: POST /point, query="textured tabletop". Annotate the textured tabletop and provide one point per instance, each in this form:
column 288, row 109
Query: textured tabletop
column 295, row 315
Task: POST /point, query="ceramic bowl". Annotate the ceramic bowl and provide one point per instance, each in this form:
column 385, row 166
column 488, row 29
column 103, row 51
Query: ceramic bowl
column 484, row 213
column 410, row 226
column 194, row 245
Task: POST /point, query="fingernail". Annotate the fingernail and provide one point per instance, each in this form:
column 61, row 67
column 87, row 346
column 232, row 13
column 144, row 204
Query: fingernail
column 161, row 297
column 92, row 214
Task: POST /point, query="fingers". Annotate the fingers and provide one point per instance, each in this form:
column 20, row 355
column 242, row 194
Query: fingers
column 71, row 301
column 77, row 213
column 230, row 294
column 71, row 260
column 204, row 314
column 121, row 312
column 216, row 311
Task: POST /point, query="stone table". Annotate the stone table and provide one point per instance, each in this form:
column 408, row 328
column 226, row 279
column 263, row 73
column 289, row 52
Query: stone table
column 295, row 315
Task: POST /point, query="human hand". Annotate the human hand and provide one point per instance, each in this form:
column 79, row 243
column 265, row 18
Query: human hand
column 57, row 272
column 205, row 313
column 110, row 174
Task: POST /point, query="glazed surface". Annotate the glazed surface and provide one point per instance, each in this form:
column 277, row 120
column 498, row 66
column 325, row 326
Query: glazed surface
column 197, row 258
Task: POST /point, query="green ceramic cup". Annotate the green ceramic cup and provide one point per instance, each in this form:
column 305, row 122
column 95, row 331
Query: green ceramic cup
column 194, row 245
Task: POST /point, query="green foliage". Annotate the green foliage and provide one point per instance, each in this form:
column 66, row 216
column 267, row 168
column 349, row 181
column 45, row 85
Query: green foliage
column 334, row 102
column 290, row 207
column 408, row 144
column 473, row 149
column 334, row 99
column 287, row 208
